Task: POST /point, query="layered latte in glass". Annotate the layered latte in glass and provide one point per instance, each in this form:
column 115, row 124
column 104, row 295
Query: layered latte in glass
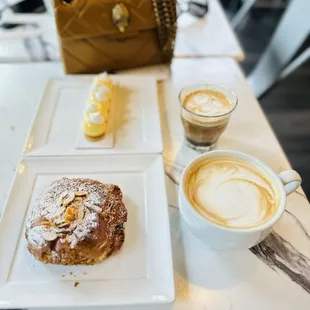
column 205, row 113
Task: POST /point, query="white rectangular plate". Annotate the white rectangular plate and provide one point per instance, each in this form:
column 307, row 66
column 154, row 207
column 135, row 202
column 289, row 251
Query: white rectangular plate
column 57, row 124
column 140, row 273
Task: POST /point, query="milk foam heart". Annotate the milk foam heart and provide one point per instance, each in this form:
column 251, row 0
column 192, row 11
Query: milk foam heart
column 231, row 193
column 207, row 103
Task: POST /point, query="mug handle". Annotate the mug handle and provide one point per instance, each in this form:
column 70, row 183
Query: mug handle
column 291, row 181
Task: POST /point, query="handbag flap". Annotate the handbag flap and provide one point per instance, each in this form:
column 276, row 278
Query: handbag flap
column 80, row 19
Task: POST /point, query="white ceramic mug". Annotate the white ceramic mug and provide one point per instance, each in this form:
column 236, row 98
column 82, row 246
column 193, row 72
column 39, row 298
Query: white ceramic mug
column 224, row 238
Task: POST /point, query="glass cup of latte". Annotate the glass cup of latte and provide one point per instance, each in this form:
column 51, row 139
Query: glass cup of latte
column 205, row 113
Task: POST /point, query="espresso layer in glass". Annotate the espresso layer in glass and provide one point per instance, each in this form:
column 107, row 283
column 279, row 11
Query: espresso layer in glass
column 204, row 133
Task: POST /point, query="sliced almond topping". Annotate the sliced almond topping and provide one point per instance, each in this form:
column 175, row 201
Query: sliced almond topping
column 86, row 212
column 81, row 214
column 42, row 223
column 69, row 198
column 94, row 208
column 58, row 221
column 37, row 223
column 51, row 224
column 49, row 235
column 73, row 226
column 63, row 224
column 81, row 193
column 59, row 201
column 64, row 194
column 61, row 198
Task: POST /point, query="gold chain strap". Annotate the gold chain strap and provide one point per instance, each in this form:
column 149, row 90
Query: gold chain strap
column 166, row 16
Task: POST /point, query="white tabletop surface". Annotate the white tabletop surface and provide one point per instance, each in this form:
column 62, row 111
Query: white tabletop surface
column 211, row 36
column 273, row 275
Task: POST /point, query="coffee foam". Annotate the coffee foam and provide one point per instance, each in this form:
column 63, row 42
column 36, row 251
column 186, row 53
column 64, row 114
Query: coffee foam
column 207, row 102
column 231, row 193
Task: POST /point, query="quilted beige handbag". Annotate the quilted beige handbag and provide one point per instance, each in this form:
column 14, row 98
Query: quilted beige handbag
column 107, row 35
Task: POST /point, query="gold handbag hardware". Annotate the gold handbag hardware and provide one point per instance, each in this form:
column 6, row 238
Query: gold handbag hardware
column 120, row 16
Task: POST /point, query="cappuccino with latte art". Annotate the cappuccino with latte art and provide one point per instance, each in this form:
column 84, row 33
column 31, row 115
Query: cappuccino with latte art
column 232, row 193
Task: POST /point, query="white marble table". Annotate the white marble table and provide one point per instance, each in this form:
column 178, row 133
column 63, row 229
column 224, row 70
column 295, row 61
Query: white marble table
column 275, row 274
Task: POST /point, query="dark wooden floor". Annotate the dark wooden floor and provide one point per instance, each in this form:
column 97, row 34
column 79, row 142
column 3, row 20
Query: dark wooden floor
column 287, row 104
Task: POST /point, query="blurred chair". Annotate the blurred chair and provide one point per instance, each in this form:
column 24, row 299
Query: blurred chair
column 291, row 32
column 242, row 12
column 240, row 18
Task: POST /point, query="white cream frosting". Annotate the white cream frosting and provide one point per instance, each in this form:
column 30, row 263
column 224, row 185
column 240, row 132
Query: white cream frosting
column 207, row 103
column 231, row 194
column 91, row 107
column 93, row 86
column 96, row 118
column 101, row 95
column 100, row 88
column 104, row 77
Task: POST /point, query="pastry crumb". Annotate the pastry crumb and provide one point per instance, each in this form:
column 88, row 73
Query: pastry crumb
column 63, row 275
column 84, row 273
column 76, row 284
column 71, row 273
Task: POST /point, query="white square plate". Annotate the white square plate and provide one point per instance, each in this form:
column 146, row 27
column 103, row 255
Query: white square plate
column 140, row 273
column 56, row 127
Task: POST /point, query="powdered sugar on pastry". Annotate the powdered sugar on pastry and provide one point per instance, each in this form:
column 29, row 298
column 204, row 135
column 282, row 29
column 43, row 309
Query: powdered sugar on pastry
column 76, row 221
column 51, row 212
